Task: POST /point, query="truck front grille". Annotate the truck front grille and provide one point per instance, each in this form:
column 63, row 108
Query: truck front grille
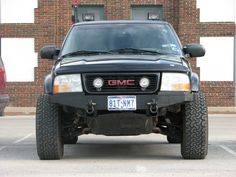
column 121, row 86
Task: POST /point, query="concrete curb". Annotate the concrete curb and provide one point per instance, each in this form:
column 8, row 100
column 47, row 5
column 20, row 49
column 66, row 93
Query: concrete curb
column 222, row 110
column 14, row 111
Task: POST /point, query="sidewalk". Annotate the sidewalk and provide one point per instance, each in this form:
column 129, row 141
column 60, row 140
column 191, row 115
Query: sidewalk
column 14, row 111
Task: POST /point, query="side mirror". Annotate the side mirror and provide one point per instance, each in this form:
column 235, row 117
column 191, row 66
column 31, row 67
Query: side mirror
column 194, row 50
column 49, row 52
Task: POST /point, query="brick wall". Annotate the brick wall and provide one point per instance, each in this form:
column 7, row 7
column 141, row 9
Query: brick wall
column 52, row 21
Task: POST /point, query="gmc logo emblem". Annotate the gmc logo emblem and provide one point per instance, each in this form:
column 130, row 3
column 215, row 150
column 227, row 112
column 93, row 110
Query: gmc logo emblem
column 121, row 82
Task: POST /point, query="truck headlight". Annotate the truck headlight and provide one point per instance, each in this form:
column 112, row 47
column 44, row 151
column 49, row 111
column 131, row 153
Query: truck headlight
column 175, row 82
column 67, row 83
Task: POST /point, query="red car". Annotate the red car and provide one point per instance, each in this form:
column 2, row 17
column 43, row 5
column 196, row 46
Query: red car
column 4, row 98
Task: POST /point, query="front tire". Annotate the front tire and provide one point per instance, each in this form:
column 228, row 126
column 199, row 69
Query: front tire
column 195, row 128
column 48, row 130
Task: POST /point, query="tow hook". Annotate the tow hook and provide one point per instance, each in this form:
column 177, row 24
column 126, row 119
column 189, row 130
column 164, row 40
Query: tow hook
column 153, row 108
column 91, row 108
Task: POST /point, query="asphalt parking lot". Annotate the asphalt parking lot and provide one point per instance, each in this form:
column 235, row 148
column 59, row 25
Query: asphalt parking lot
column 92, row 156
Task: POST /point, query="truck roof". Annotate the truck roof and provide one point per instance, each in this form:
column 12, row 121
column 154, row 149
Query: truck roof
column 122, row 22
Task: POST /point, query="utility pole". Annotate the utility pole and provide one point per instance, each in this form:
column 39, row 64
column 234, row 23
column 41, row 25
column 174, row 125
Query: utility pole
column 76, row 4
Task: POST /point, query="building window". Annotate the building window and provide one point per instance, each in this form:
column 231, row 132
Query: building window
column 220, row 10
column 90, row 13
column 218, row 63
column 19, row 59
column 146, row 12
column 16, row 11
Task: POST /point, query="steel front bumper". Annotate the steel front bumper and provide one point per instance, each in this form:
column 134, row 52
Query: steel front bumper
column 83, row 101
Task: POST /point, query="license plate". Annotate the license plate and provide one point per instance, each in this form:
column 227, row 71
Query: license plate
column 121, row 103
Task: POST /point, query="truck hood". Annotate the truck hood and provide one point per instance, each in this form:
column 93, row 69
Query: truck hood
column 121, row 63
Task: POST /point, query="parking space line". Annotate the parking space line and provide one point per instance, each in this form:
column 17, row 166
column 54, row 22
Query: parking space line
column 228, row 150
column 17, row 141
column 3, row 147
column 22, row 139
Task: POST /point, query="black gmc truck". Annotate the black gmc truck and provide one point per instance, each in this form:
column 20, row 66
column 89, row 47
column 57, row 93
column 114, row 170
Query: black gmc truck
column 119, row 78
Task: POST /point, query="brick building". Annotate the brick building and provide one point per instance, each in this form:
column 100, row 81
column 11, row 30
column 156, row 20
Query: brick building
column 26, row 26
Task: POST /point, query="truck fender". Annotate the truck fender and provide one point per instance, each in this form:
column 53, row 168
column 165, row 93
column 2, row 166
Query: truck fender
column 48, row 85
column 195, row 82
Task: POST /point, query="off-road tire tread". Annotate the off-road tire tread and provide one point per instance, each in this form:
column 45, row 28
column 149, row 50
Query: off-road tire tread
column 48, row 130
column 195, row 128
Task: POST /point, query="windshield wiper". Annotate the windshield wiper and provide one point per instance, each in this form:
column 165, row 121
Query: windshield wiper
column 85, row 52
column 134, row 50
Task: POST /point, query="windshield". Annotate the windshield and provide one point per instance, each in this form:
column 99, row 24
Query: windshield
column 152, row 39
